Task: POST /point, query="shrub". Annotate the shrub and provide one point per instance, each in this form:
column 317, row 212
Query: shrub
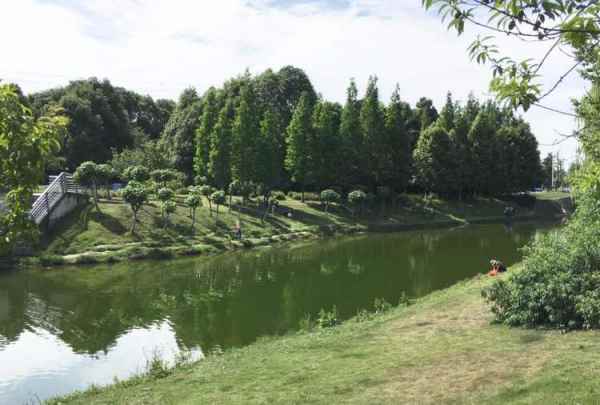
column 306, row 324
column 163, row 176
column 357, row 199
column 560, row 281
column 165, row 194
column 136, row 173
column 363, row 315
column 278, row 195
column 218, row 197
column 329, row 196
column 89, row 174
column 328, row 319
column 294, row 195
column 381, row 305
column 134, row 194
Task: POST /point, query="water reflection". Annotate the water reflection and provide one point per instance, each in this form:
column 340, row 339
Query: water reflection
column 63, row 329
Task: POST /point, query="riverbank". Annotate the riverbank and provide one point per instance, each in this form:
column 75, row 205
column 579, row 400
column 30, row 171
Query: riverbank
column 441, row 349
column 97, row 236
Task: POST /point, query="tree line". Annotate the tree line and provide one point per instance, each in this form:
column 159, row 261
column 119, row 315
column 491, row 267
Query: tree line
column 275, row 131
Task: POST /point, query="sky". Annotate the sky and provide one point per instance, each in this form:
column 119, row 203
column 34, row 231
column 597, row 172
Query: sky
column 160, row 47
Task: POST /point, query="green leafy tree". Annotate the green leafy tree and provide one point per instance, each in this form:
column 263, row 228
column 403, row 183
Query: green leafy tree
column 396, row 127
column 163, row 177
column 426, row 113
column 168, row 207
column 210, row 114
column 193, row 201
column 165, row 196
column 556, row 25
column 376, row 151
column 136, row 173
column 233, row 189
column 135, row 194
column 351, row 138
column 106, row 174
column 357, row 199
column 461, row 148
column 483, row 148
column 180, row 132
column 325, row 145
column 547, row 171
column 329, row 196
column 153, row 155
column 299, row 133
column 102, row 117
column 447, row 118
column 268, row 157
column 206, row 191
column 433, row 160
column 89, row 174
column 220, row 153
column 246, row 130
column 218, row 197
column 26, row 144
column 294, row 83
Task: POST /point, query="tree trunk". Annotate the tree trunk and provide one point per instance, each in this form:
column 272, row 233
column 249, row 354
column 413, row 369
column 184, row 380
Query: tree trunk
column 209, row 206
column 262, row 219
column 193, row 220
column 95, row 190
column 134, row 221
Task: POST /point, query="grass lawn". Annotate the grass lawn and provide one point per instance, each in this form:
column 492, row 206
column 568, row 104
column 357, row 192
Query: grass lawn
column 89, row 235
column 551, row 195
column 442, row 349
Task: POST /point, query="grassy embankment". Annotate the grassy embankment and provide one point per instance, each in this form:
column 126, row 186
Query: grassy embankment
column 441, row 349
column 93, row 236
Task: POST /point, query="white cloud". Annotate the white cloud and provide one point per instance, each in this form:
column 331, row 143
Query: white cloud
column 160, row 47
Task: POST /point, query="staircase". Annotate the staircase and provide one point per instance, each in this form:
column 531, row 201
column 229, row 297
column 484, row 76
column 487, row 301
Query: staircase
column 59, row 187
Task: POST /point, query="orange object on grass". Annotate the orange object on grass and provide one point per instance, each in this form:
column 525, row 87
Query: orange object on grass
column 493, row 272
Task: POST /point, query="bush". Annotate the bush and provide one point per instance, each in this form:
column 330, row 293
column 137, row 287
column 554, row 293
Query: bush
column 328, row 196
column 381, row 305
column 278, row 195
column 295, row 195
column 165, row 194
column 559, row 285
column 136, row 173
column 328, row 319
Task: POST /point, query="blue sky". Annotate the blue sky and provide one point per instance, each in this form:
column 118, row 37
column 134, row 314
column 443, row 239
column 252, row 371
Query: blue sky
column 159, row 47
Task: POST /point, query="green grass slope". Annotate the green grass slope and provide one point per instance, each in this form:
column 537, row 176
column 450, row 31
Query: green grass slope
column 442, row 349
column 89, row 235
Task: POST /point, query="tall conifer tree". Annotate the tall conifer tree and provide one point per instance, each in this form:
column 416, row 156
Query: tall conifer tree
column 210, row 114
column 376, row 156
column 399, row 142
column 220, row 153
column 245, row 134
column 299, row 133
column 351, row 138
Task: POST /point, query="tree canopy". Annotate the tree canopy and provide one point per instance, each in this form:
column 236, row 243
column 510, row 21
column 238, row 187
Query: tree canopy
column 26, row 144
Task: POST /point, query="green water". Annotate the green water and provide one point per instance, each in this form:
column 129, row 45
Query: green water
column 64, row 329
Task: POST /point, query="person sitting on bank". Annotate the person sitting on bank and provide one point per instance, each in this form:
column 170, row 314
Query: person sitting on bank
column 497, row 267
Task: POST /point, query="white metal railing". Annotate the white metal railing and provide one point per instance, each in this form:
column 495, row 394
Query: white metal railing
column 59, row 186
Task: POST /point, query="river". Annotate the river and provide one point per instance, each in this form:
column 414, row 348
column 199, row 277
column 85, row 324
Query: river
column 64, row 329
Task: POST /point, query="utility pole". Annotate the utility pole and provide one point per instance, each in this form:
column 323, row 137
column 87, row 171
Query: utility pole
column 558, row 170
column 552, row 165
